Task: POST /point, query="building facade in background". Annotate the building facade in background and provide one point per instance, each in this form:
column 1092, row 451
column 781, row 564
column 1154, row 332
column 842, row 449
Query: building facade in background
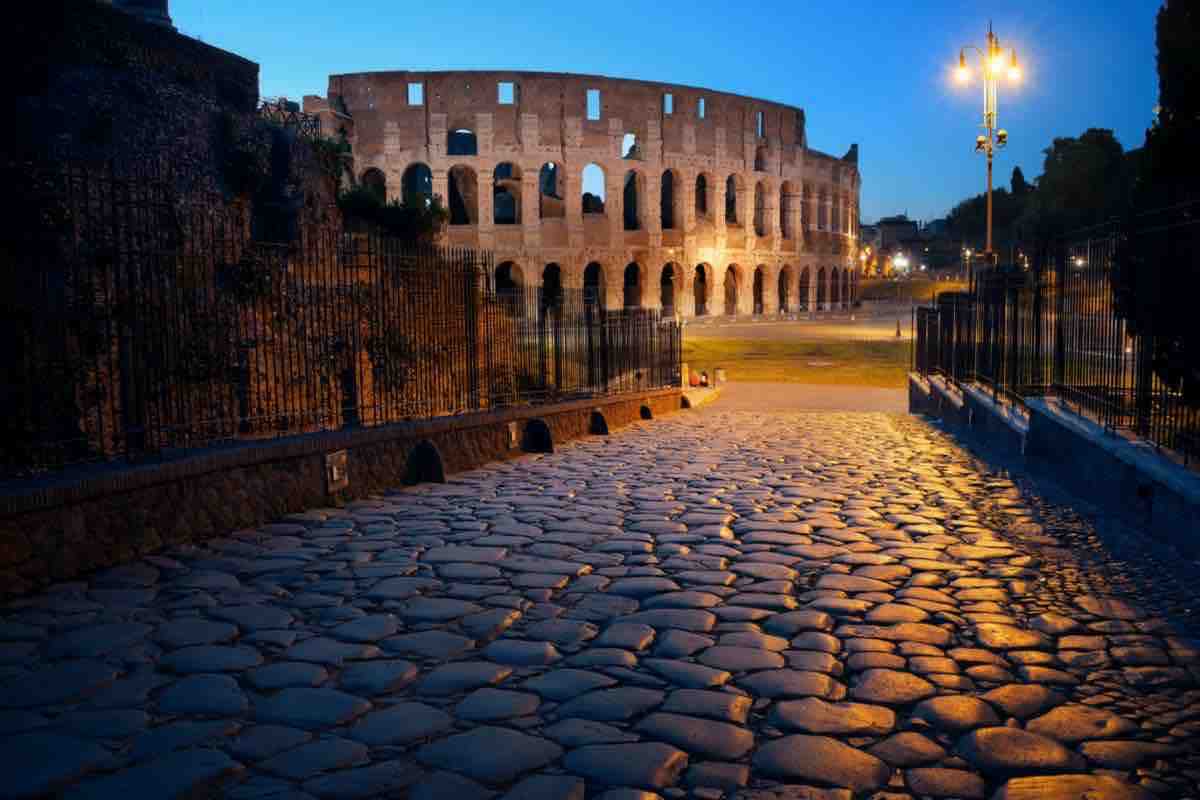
column 648, row 194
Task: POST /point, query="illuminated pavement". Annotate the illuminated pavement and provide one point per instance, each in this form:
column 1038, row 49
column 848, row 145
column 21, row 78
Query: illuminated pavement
column 721, row 603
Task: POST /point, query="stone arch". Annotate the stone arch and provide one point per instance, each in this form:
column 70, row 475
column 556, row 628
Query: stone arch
column 552, row 286
column 633, row 285
column 787, row 207
column 509, row 278
column 593, row 284
column 551, row 202
column 375, row 182
column 598, row 425
column 760, row 289
column 593, row 188
column 645, row 413
column 506, row 194
column 783, row 289
column 424, row 464
column 822, row 289
column 760, row 209
column 416, row 184
column 732, row 286
column 760, row 158
column 701, row 289
column 631, row 200
column 669, row 284
column 733, row 185
column 835, row 288
column 464, row 195
column 804, row 289
column 847, row 274
column 667, row 202
column 536, row 437
column 462, row 142
column 703, row 202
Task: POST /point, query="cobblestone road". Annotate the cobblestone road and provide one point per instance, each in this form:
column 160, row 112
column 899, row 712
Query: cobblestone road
column 717, row 604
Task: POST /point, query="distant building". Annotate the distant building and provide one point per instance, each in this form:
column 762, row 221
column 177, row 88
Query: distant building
column 897, row 229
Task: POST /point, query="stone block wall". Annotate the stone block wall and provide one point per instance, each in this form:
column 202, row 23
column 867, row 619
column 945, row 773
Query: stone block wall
column 95, row 520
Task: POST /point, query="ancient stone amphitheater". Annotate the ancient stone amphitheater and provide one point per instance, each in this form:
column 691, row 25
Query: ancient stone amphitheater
column 647, row 194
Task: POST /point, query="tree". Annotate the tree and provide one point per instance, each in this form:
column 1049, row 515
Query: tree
column 1018, row 185
column 1084, row 181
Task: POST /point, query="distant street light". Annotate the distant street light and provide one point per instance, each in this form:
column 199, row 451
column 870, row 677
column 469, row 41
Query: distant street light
column 991, row 67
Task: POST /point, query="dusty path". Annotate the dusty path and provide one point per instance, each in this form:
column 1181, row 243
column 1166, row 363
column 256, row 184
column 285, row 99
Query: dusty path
column 719, row 603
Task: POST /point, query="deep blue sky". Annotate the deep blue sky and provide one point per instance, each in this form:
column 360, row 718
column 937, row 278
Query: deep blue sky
column 874, row 72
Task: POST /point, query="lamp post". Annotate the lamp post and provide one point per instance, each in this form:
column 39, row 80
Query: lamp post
column 992, row 67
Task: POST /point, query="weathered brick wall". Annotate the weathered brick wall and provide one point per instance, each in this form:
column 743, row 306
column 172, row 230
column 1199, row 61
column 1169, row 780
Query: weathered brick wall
column 89, row 83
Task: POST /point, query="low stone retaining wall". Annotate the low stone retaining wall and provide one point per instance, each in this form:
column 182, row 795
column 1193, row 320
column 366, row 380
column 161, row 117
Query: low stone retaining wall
column 96, row 518
column 1120, row 475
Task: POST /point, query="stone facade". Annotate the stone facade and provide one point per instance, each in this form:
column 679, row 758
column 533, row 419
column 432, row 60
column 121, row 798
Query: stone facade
column 713, row 203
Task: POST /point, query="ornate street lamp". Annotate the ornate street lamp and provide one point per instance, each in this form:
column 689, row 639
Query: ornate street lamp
column 992, row 68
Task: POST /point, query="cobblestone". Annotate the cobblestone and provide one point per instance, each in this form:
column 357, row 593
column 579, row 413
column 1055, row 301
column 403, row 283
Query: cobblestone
column 723, row 605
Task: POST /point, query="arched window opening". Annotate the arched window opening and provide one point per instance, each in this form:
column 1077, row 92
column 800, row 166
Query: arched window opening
column 731, row 217
column 667, row 200
column 551, row 204
column 786, row 206
column 759, row 281
column 760, row 210
column 552, row 291
column 835, row 289
column 784, row 287
column 375, row 182
column 593, row 189
column 632, row 211
column 667, row 289
column 593, row 284
column 700, row 290
column 506, row 194
column 701, row 196
column 630, row 147
column 760, row 158
column 416, row 186
column 731, row 291
column 805, row 288
column 464, row 200
column 633, row 285
column 462, row 142
column 822, row 290
column 508, row 278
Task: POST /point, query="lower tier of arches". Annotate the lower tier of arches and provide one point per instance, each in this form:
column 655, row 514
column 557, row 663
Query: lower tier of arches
column 735, row 288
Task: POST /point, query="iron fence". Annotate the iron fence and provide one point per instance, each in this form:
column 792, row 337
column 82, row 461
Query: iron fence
column 137, row 324
column 1096, row 321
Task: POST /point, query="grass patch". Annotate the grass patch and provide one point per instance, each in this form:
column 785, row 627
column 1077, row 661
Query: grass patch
column 839, row 363
column 918, row 291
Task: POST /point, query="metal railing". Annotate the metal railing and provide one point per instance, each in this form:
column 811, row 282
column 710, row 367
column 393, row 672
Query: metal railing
column 137, row 323
column 1095, row 322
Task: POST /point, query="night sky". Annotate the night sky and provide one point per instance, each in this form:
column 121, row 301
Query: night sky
column 876, row 73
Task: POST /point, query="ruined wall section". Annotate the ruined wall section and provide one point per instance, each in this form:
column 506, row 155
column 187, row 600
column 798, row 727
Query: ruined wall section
column 795, row 208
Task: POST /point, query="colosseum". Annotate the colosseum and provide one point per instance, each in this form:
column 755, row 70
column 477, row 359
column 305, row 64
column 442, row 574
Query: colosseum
column 644, row 194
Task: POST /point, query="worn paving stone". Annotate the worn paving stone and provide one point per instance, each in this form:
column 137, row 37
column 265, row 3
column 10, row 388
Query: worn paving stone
column 1011, row 751
column 204, row 694
column 400, row 724
column 821, row 759
column 39, row 763
column 907, row 749
column 699, row 737
column 320, row 755
column 312, row 709
column 380, row 779
column 173, row 775
column 890, row 687
column 461, row 676
column 648, row 765
column 611, row 705
column 814, row 715
column 489, row 754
